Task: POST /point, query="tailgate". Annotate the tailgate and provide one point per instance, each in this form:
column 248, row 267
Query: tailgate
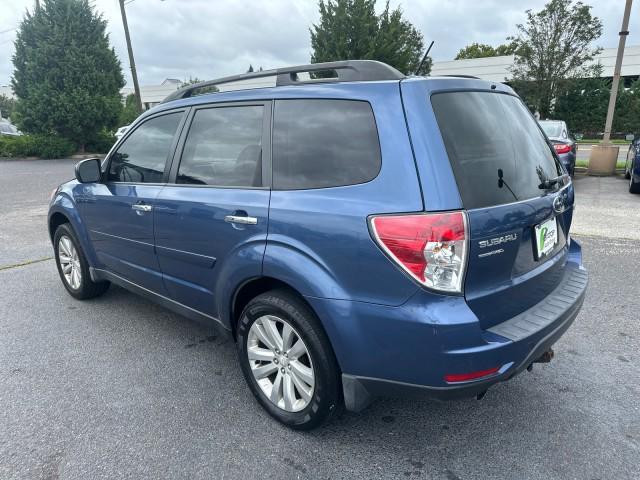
column 505, row 273
column 518, row 203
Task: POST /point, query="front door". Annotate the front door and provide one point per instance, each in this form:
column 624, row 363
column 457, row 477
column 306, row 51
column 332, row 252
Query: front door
column 211, row 219
column 119, row 212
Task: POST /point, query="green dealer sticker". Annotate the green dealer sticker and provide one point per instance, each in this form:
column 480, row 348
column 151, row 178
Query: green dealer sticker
column 546, row 236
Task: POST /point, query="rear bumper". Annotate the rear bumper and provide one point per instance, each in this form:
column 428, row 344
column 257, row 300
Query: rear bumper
column 420, row 343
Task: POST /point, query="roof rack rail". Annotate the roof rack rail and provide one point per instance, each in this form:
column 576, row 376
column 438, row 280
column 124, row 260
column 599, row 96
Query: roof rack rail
column 459, row 76
column 346, row 70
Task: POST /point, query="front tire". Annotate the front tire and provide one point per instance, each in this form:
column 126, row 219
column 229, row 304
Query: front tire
column 287, row 360
column 73, row 266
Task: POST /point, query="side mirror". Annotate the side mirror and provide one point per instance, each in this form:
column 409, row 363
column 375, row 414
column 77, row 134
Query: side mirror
column 88, row 171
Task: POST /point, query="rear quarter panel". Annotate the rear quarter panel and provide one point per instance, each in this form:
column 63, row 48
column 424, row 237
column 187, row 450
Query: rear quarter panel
column 319, row 241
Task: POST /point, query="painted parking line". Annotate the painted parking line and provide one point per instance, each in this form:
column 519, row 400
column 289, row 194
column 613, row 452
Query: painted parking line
column 22, row 264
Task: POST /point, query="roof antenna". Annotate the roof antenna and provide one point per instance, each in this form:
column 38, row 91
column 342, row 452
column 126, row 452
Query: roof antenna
column 424, row 58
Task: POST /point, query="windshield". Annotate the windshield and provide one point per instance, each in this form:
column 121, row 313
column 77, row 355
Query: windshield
column 497, row 152
column 552, row 129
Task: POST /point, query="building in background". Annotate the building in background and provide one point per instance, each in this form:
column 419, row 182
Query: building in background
column 152, row 95
column 498, row 69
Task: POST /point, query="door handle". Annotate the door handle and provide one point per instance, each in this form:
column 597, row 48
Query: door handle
column 142, row 207
column 241, row 220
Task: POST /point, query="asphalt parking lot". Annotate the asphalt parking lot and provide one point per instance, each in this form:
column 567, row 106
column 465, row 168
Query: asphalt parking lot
column 117, row 387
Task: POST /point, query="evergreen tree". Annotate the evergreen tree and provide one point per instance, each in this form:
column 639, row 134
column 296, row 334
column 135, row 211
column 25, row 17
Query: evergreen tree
column 129, row 112
column 351, row 30
column 582, row 103
column 7, row 106
column 67, row 77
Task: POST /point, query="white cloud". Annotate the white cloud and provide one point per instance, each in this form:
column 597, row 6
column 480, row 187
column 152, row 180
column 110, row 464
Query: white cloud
column 211, row 38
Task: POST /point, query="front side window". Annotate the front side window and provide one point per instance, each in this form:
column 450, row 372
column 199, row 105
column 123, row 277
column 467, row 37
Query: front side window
column 224, row 148
column 497, row 152
column 321, row 143
column 142, row 156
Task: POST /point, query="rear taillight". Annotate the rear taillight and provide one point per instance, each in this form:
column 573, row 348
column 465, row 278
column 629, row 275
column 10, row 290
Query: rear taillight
column 561, row 148
column 432, row 247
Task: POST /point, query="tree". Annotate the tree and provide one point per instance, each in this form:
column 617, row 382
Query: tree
column 627, row 113
column 129, row 112
column 351, row 30
column 482, row 50
column 555, row 44
column 67, row 77
column 200, row 90
column 582, row 103
column 7, row 106
column 250, row 70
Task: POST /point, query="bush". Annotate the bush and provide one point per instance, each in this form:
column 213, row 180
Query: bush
column 102, row 143
column 44, row 146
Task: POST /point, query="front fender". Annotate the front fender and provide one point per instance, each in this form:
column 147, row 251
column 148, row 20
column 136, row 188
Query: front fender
column 63, row 204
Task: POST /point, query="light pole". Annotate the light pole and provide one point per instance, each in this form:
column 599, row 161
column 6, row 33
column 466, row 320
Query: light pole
column 616, row 72
column 604, row 156
column 132, row 62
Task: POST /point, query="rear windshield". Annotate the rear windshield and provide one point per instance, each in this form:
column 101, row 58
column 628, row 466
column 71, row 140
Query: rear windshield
column 552, row 129
column 497, row 152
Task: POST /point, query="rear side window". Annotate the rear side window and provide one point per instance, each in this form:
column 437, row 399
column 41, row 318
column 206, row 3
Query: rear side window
column 224, row 147
column 323, row 143
column 142, row 156
column 497, row 152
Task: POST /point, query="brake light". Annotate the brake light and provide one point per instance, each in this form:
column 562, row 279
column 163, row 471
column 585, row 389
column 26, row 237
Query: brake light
column 432, row 248
column 465, row 377
column 561, row 148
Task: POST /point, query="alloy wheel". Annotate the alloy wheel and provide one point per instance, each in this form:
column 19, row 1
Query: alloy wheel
column 280, row 363
column 69, row 262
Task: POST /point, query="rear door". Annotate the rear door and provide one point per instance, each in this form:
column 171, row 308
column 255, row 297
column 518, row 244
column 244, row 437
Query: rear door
column 211, row 219
column 119, row 212
column 518, row 221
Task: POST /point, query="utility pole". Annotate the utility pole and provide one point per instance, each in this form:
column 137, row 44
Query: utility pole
column 604, row 156
column 132, row 62
column 616, row 72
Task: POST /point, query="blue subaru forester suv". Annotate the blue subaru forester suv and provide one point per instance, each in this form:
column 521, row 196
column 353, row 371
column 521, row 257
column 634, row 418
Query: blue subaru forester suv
column 355, row 231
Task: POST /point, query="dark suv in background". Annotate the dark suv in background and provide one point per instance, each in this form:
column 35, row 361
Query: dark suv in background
column 357, row 233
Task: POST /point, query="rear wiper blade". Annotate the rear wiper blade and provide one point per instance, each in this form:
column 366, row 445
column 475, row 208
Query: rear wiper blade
column 549, row 183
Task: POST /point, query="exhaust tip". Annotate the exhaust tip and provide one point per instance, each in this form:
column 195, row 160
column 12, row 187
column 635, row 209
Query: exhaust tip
column 546, row 357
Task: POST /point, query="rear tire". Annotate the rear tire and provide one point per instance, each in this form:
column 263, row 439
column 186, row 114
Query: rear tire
column 298, row 384
column 73, row 266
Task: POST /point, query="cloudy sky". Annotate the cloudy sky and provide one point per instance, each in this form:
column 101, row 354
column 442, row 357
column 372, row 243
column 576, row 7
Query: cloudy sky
column 213, row 38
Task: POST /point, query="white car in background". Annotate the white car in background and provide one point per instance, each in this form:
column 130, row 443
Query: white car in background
column 121, row 131
column 9, row 130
